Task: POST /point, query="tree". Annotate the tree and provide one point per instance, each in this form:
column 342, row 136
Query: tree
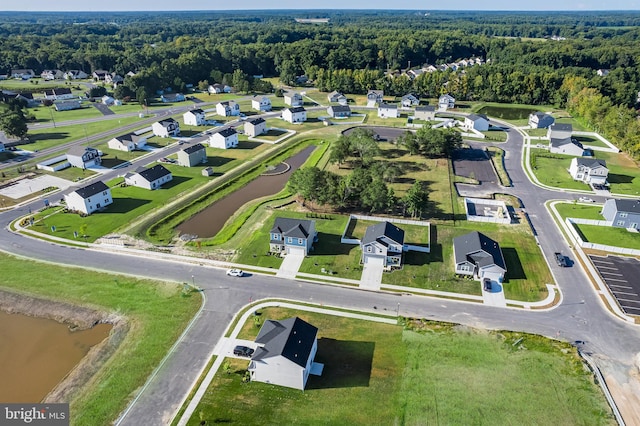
column 14, row 123
column 375, row 196
column 97, row 92
column 438, row 143
column 203, row 85
column 142, row 96
column 122, row 92
column 410, row 141
column 340, row 150
column 416, row 199
column 363, row 145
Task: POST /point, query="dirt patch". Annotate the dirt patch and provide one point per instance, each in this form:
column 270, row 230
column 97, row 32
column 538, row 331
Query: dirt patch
column 77, row 318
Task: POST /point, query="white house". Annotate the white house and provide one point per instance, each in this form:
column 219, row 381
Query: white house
column 58, row 94
column 540, row 120
column 67, row 105
column 219, row 88
column 192, row 155
column 84, row 157
column 108, row 100
column 295, row 115
column 589, row 170
column 285, row 353
column 293, row 99
column 90, row 198
column 75, row 75
column 224, row 139
column 166, row 128
column 426, row 113
column 479, row 256
column 409, row 100
column 261, row 103
column 52, row 75
column 446, row 101
column 383, row 244
column 195, row 117
column 339, row 111
column 477, row 122
column 128, row 142
column 387, row 111
column 228, row 108
column 151, row 178
column 255, row 126
column 603, row 72
column 338, row 97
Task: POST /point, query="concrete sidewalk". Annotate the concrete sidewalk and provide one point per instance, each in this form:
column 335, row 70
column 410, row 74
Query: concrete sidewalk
column 290, row 266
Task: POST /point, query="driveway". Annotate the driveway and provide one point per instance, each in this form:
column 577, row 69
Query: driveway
column 226, row 344
column 372, row 274
column 25, row 187
column 495, row 296
column 290, row 265
column 103, row 109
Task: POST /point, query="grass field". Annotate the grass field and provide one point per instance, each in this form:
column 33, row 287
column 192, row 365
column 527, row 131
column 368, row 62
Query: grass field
column 156, row 311
column 45, row 114
column 440, row 374
column 609, row 236
column 580, row 211
column 590, row 140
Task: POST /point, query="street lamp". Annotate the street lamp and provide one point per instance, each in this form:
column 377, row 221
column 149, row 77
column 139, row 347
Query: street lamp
column 193, row 280
column 52, row 119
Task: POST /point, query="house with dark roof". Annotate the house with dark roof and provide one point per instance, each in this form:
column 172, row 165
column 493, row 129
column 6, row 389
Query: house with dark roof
column 409, row 100
column 228, row 108
column 383, row 244
column 67, row 105
column 426, row 113
column 151, row 178
column 292, row 236
column 24, row 74
column 589, row 170
column 129, row 142
column 295, row 115
column 90, row 198
column 293, row 99
column 261, row 103
column 622, row 213
column 339, row 111
column 27, row 98
column 61, row 93
column 478, row 256
column 568, row 146
column 192, row 155
column 84, row 157
column 285, row 353
column 375, row 97
column 540, row 120
column 113, row 78
column 75, row 75
column 172, row 97
column 387, row 110
column 478, row 122
column 165, row 128
column 218, row 88
column 224, row 139
column 446, row 101
column 560, row 131
column 99, row 75
column 255, row 126
column 195, row 117
column 338, row 97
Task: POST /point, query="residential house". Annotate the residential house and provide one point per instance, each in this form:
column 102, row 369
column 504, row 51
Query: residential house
column 23, row 74
column 560, row 131
column 75, row 75
column 113, row 78
column 375, row 97
column 409, row 100
column 412, row 74
column 446, row 101
column 478, row 122
column 228, row 108
column 107, row 100
column 293, row 99
column 151, row 178
column 166, row 128
column 426, row 113
column 99, row 75
column 195, row 117
column 479, row 256
column 130, row 74
column 602, row 72
column 219, row 88
column 261, row 103
column 337, row 97
column 129, row 142
column 67, row 105
column 58, row 94
column 84, row 157
column 383, row 244
column 295, row 115
column 224, row 139
column 285, row 353
column 90, row 198
column 172, row 97
column 568, row 146
column 292, row 236
column 28, row 99
column 192, row 155
column 51, row 75
column 339, row 111
column 387, row 111
column 540, row 120
column 623, row 213
column 255, row 126
column 589, row 170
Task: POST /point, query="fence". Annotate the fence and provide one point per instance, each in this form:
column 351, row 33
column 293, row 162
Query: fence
column 406, row 247
column 593, row 246
column 504, row 219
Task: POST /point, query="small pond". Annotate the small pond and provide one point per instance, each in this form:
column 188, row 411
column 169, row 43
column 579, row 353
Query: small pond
column 507, row 112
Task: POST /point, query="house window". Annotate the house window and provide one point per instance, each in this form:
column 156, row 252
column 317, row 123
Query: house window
column 369, row 249
column 625, row 214
column 300, row 241
column 289, row 240
column 620, row 223
column 104, row 193
column 464, row 268
column 276, row 236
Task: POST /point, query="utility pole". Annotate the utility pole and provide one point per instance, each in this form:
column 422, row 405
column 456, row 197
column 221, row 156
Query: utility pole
column 52, row 119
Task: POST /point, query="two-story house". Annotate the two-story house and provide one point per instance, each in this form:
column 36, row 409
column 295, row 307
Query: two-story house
column 224, row 139
column 446, row 101
column 383, row 243
column 622, row 213
column 375, row 97
column 90, row 198
column 293, row 99
column 294, row 115
column 339, row 111
column 477, row 122
column 426, row 113
column 228, row 108
column 84, row 157
column 195, row 117
column 292, row 236
column 192, row 155
column 255, row 126
column 479, row 256
column 540, row 120
column 589, row 170
column 166, row 128
column 387, row 111
column 261, row 103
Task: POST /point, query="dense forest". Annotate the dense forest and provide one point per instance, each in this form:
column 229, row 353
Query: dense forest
column 536, row 58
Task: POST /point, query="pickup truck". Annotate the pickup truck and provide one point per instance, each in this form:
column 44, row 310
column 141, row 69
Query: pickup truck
column 560, row 259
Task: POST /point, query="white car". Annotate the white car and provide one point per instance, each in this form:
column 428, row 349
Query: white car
column 586, row 200
column 235, row 272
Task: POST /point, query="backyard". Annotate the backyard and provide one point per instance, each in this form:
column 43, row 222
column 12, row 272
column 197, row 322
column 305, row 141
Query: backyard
column 426, row 372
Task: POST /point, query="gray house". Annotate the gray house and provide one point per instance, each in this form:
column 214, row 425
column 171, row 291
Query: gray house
column 285, row 353
column 426, row 113
column 560, row 131
column 622, row 213
column 292, row 236
column 83, row 157
column 383, row 244
column 540, row 120
column 478, row 256
column 192, row 155
column 339, row 111
column 568, row 146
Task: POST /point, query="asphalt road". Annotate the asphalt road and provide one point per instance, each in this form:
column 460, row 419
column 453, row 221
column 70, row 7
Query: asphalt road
column 580, row 316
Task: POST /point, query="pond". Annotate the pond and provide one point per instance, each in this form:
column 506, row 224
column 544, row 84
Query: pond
column 37, row 353
column 210, row 221
column 507, row 112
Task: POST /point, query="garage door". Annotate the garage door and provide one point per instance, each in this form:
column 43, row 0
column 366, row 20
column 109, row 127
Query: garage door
column 374, row 260
column 298, row 251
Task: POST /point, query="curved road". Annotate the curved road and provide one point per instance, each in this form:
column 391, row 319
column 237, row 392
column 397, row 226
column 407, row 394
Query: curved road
column 581, row 315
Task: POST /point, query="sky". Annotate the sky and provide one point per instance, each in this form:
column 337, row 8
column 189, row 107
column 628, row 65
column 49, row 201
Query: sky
column 155, row 5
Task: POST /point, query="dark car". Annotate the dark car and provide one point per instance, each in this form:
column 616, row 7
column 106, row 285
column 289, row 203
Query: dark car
column 560, row 259
column 242, row 351
column 487, row 284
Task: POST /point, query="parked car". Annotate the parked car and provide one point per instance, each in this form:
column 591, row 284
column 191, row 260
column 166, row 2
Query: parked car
column 235, row 272
column 560, row 259
column 487, row 284
column 586, row 200
column 242, row 351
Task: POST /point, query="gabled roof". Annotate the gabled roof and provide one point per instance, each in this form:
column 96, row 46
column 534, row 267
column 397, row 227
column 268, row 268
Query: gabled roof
column 296, row 228
column 426, row 108
column 260, row 98
column 539, row 114
column 129, row 137
column 446, row 96
column 93, row 189
column 167, row 122
column 291, row 338
column 340, row 108
column 387, row 106
column 561, row 127
column 196, row 111
column 226, row 132
column 296, row 109
column 558, row 142
column 154, row 173
column 476, row 117
column 194, row 148
column 479, row 249
column 256, row 121
column 79, row 150
column 383, row 229
column 375, row 92
column 591, row 163
column 409, row 96
column 292, row 94
column 172, row 95
column 629, row 206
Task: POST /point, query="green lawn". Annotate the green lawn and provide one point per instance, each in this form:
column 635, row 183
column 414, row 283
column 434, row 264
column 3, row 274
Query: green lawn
column 441, row 374
column 591, row 141
column 536, row 132
column 552, row 170
column 45, row 114
column 624, row 173
column 579, row 211
column 156, row 312
column 609, row 236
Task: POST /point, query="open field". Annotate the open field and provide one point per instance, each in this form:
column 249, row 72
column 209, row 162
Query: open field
column 439, row 374
column 608, row 235
column 157, row 313
column 590, row 140
column 580, row 211
column 45, row 114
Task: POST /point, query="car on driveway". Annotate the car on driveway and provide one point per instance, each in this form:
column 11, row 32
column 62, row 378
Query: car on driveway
column 242, row 351
column 487, row 284
column 560, row 259
column 235, row 272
